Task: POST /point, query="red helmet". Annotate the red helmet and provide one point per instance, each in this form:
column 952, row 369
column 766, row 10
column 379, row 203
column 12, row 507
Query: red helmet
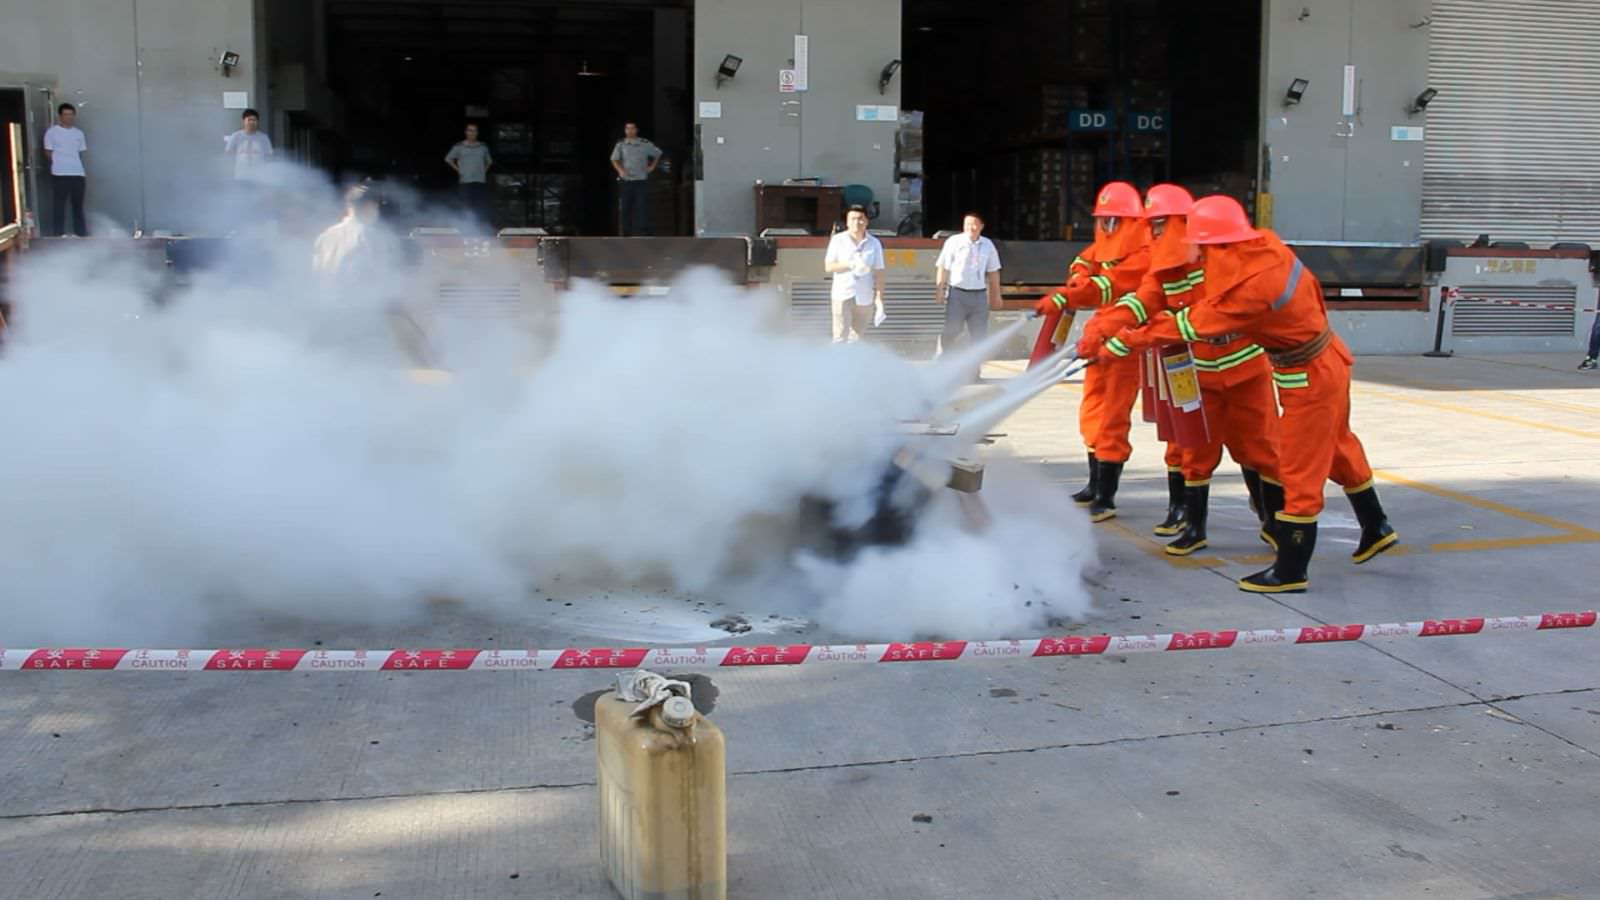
column 1167, row 200
column 1219, row 220
column 1119, row 199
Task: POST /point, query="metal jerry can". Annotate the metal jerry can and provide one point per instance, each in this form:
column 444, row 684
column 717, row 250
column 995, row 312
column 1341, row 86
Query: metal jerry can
column 662, row 785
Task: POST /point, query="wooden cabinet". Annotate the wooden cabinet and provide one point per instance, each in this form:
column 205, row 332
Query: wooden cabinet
column 813, row 207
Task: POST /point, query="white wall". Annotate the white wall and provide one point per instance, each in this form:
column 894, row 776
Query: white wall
column 772, row 136
column 116, row 58
column 1332, row 176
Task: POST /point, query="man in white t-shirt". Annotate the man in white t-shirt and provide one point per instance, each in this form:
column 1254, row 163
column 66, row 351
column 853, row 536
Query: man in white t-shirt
column 855, row 260
column 967, row 282
column 250, row 147
column 358, row 260
column 64, row 146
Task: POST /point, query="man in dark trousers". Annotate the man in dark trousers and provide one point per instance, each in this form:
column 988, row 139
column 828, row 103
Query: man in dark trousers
column 634, row 158
column 471, row 160
column 64, row 146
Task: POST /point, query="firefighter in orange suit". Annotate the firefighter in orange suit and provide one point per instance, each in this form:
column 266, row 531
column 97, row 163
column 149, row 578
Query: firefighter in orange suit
column 1255, row 286
column 1235, row 380
column 1108, row 268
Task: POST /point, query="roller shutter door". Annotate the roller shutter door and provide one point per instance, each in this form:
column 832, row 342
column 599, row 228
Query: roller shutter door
column 1549, row 311
column 1513, row 138
column 914, row 317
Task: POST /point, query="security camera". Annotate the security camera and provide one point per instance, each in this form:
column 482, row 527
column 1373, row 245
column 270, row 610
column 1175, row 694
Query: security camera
column 887, row 75
column 1297, row 89
column 1422, row 101
column 227, row 61
column 728, row 68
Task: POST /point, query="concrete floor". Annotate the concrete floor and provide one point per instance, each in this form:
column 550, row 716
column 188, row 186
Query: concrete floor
column 1462, row 767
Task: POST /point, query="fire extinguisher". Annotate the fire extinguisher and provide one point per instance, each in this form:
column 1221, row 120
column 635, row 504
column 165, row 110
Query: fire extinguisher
column 1185, row 407
column 1149, row 398
column 1052, row 335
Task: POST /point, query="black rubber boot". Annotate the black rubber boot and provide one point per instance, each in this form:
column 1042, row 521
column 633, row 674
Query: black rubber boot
column 1271, row 505
column 1376, row 533
column 1086, row 496
column 1173, row 523
column 1105, row 492
column 1196, row 499
column 1296, row 542
column 1252, row 483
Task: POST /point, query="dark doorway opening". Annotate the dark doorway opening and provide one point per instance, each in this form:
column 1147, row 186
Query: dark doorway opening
column 13, row 121
column 549, row 84
column 1029, row 108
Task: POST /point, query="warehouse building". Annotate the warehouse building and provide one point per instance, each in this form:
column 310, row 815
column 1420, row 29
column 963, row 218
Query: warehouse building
column 1365, row 122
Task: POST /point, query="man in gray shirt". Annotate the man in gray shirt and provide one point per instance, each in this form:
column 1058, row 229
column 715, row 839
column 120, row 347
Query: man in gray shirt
column 634, row 158
column 471, row 160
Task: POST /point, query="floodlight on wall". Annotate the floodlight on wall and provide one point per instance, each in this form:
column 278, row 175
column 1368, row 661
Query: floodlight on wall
column 887, row 75
column 1297, row 89
column 227, row 62
column 1422, row 101
column 729, row 68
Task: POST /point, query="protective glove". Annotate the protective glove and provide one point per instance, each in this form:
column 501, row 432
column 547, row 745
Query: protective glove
column 1128, row 342
column 1050, row 303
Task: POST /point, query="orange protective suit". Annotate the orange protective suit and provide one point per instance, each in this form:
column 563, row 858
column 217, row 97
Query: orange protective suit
column 1109, row 268
column 1235, row 376
column 1258, row 289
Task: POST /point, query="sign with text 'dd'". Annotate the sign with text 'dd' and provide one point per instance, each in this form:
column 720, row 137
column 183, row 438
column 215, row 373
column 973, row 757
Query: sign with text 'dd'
column 1091, row 120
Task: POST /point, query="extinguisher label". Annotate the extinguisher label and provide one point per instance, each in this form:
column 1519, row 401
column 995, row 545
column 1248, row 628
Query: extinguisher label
column 1183, row 381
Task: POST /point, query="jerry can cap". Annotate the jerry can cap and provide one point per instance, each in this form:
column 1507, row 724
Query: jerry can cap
column 677, row 712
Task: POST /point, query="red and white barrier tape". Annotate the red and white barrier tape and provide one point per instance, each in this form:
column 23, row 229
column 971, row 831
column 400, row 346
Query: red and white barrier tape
column 1453, row 295
column 75, row 658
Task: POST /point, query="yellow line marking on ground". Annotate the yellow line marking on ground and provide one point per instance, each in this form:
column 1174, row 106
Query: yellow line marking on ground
column 1513, row 543
column 1477, row 546
column 1152, row 548
column 1489, row 394
column 1469, row 411
column 1560, row 405
column 1571, row 528
column 1572, row 533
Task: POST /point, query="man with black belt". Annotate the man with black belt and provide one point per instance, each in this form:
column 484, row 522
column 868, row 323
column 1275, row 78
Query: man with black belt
column 967, row 277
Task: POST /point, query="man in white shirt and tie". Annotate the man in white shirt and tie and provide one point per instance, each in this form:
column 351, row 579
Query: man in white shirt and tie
column 855, row 260
column 967, row 282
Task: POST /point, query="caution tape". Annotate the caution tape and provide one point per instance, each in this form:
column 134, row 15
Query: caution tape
column 1454, row 295
column 457, row 660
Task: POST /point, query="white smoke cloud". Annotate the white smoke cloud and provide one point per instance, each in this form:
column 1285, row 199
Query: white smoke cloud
column 258, row 446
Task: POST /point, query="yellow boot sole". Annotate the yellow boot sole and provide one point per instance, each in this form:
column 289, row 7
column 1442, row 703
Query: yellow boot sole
column 1103, row 516
column 1293, row 587
column 1387, row 541
column 1184, row 551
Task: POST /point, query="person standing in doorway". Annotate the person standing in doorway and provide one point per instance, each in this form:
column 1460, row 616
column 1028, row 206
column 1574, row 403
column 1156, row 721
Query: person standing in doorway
column 64, row 146
column 855, row 260
column 967, row 282
column 471, row 160
column 250, row 147
column 634, row 158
